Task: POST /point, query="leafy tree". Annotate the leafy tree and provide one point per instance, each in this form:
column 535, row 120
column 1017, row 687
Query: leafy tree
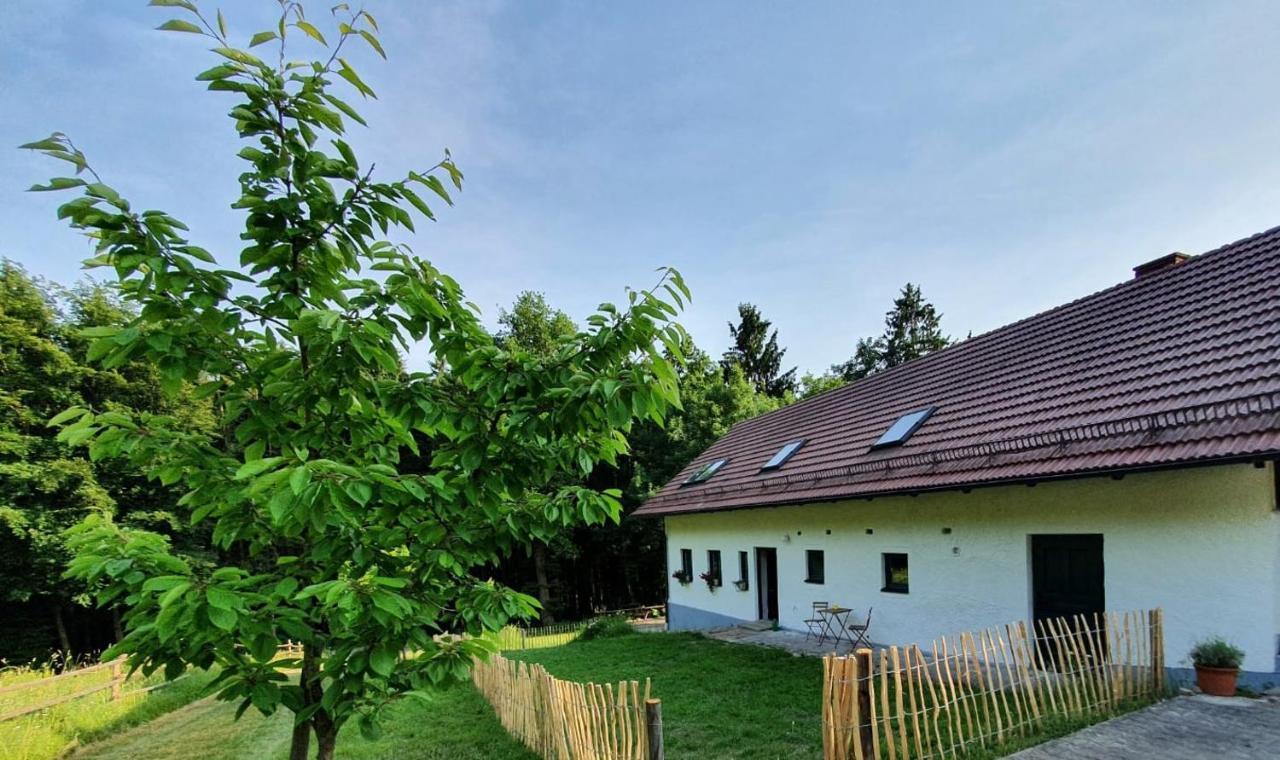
column 47, row 486
column 44, row 486
column 533, row 325
column 365, row 500
column 755, row 350
column 913, row 328
column 812, row 384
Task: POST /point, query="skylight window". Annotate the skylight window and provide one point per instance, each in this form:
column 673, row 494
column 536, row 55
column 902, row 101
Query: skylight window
column 786, row 452
column 703, row 475
column 900, row 431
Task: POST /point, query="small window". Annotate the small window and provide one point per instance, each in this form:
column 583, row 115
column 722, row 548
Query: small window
column 815, row 566
column 713, row 567
column 704, row 474
column 784, row 453
column 896, row 576
column 742, row 571
column 901, row 430
column 686, row 564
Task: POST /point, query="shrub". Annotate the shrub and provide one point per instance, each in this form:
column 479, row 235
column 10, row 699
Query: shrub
column 1216, row 653
column 607, row 628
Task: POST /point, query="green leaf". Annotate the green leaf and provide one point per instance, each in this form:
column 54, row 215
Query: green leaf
column 48, row 143
column 67, row 415
column 373, row 43
column 349, row 111
column 263, row 647
column 178, row 25
column 299, row 479
column 249, row 469
column 360, row 491
column 57, row 183
column 382, row 659
column 346, row 72
column 224, row 619
column 311, row 32
column 221, row 598
column 261, row 37
column 163, row 582
column 418, row 203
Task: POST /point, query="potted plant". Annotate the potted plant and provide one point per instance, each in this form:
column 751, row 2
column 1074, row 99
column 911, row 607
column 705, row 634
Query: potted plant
column 1217, row 666
column 683, row 577
column 711, row 579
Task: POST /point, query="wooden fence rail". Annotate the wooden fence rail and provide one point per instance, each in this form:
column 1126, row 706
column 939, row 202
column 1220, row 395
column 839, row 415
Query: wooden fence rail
column 115, row 684
column 565, row 720
column 983, row 688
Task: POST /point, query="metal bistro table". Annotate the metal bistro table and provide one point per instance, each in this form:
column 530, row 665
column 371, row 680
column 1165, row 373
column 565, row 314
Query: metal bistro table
column 837, row 622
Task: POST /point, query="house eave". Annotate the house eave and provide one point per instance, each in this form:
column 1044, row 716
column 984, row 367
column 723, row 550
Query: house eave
column 1272, row 455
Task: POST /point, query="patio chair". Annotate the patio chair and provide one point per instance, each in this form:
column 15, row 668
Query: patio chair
column 817, row 624
column 858, row 631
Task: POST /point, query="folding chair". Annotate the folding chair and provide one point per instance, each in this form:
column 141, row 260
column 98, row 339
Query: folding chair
column 858, row 633
column 817, row 624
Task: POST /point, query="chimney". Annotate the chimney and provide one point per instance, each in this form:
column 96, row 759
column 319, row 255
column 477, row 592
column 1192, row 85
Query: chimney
column 1156, row 266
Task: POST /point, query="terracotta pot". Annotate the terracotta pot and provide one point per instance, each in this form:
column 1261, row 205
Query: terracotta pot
column 1220, row 682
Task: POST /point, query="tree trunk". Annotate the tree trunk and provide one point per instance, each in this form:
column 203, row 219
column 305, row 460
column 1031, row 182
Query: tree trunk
column 300, row 744
column 544, row 588
column 312, row 691
column 116, row 623
column 63, row 639
column 326, row 739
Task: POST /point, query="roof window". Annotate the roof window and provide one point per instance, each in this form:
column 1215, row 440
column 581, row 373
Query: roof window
column 900, row 431
column 703, row 475
column 786, row 452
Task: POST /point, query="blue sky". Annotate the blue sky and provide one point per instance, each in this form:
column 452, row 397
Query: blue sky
column 809, row 158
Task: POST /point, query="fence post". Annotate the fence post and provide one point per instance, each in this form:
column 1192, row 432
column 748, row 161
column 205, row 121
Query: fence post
column 1155, row 620
column 653, row 728
column 865, row 727
column 117, row 679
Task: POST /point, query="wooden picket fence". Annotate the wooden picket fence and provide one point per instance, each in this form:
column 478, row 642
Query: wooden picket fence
column 981, row 689
column 565, row 720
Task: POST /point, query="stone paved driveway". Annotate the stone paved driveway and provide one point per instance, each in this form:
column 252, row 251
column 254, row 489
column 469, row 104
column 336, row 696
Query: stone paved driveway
column 1190, row 728
column 794, row 642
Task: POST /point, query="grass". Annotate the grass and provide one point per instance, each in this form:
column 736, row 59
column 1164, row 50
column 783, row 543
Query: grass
column 43, row 735
column 457, row 725
column 513, row 637
column 719, row 699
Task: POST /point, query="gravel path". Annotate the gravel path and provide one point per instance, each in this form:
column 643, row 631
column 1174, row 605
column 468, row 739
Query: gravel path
column 1185, row 728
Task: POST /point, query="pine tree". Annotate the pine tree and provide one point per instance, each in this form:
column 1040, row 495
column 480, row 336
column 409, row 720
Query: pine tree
column 913, row 328
column 755, row 350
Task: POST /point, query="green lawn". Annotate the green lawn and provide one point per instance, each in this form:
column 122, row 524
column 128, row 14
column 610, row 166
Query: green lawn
column 43, row 735
column 719, row 700
column 458, row 725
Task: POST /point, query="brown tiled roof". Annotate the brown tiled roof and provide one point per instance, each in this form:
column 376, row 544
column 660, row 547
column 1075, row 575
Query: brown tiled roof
column 1177, row 367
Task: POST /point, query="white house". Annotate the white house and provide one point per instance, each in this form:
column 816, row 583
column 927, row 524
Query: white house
column 1118, row 452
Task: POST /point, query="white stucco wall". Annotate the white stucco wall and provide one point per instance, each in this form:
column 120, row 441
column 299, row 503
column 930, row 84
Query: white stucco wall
column 1202, row 543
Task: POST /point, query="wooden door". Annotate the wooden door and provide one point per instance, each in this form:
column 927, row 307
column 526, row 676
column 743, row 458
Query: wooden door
column 767, row 583
column 1067, row 579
